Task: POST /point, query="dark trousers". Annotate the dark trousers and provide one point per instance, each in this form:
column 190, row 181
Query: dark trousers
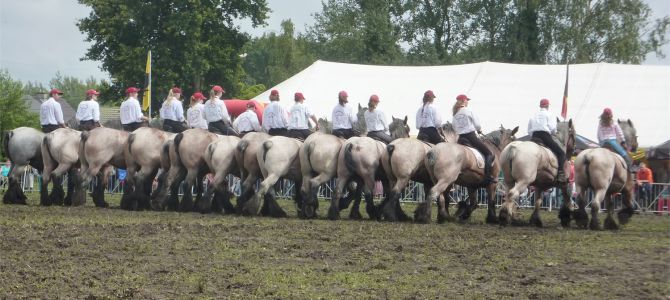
column 279, row 131
column 380, row 136
column 474, row 141
column 546, row 139
column 130, row 127
column 344, row 133
column 88, row 125
column 221, row 127
column 50, row 128
column 430, row 135
column 300, row 134
column 173, row 126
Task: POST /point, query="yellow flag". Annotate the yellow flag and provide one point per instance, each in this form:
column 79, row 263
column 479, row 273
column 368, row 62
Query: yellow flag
column 146, row 99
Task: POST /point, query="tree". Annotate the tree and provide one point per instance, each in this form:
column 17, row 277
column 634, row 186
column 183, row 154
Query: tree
column 194, row 44
column 32, row 88
column 15, row 112
column 74, row 89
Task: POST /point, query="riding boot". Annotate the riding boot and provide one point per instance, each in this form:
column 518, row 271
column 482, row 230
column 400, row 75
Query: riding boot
column 488, row 168
column 629, row 163
column 561, row 177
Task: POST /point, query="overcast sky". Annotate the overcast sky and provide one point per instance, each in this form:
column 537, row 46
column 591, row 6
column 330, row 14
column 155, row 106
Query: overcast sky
column 39, row 37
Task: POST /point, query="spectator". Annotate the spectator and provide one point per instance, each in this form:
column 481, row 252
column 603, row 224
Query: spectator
column 644, row 181
column 5, row 169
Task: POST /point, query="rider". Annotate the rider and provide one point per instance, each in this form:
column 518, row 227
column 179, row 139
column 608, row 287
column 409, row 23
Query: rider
column 343, row 117
column 51, row 114
column 375, row 120
column 275, row 117
column 88, row 111
column 428, row 120
column 216, row 113
column 608, row 132
column 298, row 125
column 541, row 126
column 172, row 112
column 195, row 115
column 130, row 112
column 248, row 120
column 465, row 124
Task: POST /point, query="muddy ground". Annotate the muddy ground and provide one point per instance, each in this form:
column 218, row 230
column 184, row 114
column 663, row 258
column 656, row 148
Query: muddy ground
column 86, row 252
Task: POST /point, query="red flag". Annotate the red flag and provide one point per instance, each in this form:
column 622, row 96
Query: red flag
column 564, row 109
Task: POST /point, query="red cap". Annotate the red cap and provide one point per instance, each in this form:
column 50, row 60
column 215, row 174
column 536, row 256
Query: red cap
column 343, row 94
column 374, row 98
column 462, row 97
column 131, row 90
column 92, row 92
column 428, row 93
column 218, row 89
column 607, row 112
column 544, row 102
column 176, row 90
column 299, row 96
column 55, row 91
column 251, row 104
column 274, row 93
column 198, row 96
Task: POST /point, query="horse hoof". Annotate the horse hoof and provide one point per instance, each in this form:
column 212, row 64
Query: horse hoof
column 333, row 214
column 593, row 225
column 442, row 218
column 564, row 216
column 624, row 215
column 356, row 215
column 504, row 217
column 491, row 219
column 610, row 224
column 536, row 221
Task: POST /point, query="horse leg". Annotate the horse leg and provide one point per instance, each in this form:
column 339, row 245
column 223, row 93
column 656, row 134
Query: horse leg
column 246, row 191
column 609, row 221
column 423, row 210
column 595, row 208
column 222, row 199
column 172, row 202
column 251, row 206
column 334, row 210
column 205, row 204
column 581, row 217
column 491, row 205
column 469, row 205
column 129, row 200
column 535, row 217
column 355, row 212
column 298, row 199
column 14, row 193
column 388, row 207
column 311, row 191
column 98, row 194
column 272, row 207
column 443, row 204
column 566, row 209
column 626, row 213
column 45, row 200
column 199, row 187
column 157, row 197
column 186, row 204
column 143, row 189
column 508, row 212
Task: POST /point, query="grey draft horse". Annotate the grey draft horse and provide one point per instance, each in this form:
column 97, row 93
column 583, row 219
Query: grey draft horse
column 23, row 148
column 404, row 162
column 526, row 163
column 60, row 155
column 220, row 159
column 360, row 160
column 605, row 172
column 247, row 161
column 452, row 163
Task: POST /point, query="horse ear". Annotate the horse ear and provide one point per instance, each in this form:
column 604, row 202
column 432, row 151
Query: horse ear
column 630, row 123
column 558, row 120
column 405, row 121
column 359, row 106
column 570, row 122
column 515, row 130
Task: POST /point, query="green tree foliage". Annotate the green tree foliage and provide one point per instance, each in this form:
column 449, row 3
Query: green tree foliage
column 272, row 57
column 195, row 44
column 32, row 88
column 74, row 89
column 15, row 112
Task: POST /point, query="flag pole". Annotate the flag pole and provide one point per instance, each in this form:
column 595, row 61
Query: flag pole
column 564, row 108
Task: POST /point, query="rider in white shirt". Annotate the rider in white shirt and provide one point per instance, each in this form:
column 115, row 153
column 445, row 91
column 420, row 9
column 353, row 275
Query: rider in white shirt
column 216, row 113
column 298, row 125
column 195, row 115
column 466, row 125
column 88, row 111
column 343, row 117
column 172, row 112
column 51, row 114
column 375, row 121
column 275, row 117
column 248, row 120
column 541, row 126
column 428, row 120
column 130, row 112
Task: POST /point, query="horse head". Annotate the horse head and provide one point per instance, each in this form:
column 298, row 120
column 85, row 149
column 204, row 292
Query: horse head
column 325, row 126
column 629, row 133
column 449, row 133
column 360, row 127
column 399, row 128
column 501, row 137
column 566, row 133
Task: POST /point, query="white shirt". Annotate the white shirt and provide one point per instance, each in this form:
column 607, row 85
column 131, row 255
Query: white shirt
column 343, row 117
column 427, row 116
column 275, row 116
column 376, row 120
column 542, row 121
column 130, row 111
column 88, row 110
column 215, row 110
column 196, row 116
column 172, row 110
column 247, row 121
column 300, row 114
column 51, row 113
column 465, row 121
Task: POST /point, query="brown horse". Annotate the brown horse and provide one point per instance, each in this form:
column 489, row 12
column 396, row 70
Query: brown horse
column 529, row 164
column 60, row 155
column 606, row 173
column 220, row 159
column 360, row 160
column 247, row 161
column 404, row 162
column 23, row 148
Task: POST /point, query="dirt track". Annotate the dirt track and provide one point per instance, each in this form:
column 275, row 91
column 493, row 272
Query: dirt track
column 82, row 252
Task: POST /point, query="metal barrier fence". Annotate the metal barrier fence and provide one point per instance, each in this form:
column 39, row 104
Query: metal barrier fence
column 647, row 197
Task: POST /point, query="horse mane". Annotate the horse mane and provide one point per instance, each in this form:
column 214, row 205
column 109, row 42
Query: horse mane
column 493, row 138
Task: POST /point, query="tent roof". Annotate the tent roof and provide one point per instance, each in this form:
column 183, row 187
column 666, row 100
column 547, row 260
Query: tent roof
column 506, row 94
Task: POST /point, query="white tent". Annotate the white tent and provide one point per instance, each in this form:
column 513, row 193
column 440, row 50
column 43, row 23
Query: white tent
column 506, row 94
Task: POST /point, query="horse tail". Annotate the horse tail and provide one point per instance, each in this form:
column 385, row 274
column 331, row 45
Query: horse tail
column 390, row 149
column 431, row 159
column 509, row 156
column 5, row 143
column 309, row 148
column 242, row 145
column 587, row 164
column 82, row 148
column 131, row 140
column 177, row 141
column 266, row 146
column 210, row 152
column 349, row 158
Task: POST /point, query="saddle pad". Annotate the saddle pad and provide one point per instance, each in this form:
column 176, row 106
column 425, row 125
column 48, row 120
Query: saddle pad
column 478, row 157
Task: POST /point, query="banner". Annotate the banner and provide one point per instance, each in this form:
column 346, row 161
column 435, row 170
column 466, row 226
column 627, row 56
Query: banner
column 146, row 98
column 564, row 109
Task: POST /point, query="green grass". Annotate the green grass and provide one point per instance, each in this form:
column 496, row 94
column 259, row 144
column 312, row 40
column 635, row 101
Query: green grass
column 52, row 252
